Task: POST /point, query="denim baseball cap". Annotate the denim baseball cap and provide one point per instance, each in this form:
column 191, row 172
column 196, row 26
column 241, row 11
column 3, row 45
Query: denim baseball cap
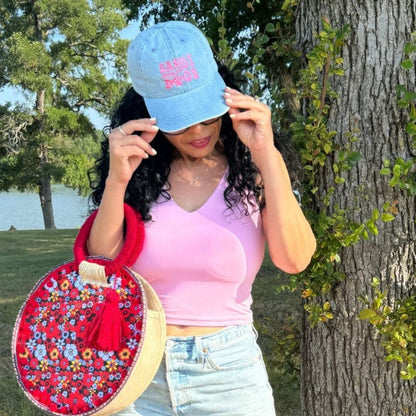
column 172, row 67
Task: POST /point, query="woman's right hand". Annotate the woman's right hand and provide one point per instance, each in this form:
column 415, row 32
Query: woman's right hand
column 127, row 150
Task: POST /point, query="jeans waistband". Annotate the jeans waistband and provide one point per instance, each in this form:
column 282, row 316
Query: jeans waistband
column 220, row 337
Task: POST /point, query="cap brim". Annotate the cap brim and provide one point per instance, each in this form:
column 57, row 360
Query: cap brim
column 184, row 110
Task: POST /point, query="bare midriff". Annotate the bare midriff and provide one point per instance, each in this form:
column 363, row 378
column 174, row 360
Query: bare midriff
column 188, row 331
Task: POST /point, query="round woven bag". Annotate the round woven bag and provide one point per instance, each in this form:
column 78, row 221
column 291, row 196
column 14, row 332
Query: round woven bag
column 90, row 337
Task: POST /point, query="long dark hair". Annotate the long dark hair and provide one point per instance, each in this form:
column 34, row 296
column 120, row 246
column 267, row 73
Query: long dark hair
column 150, row 180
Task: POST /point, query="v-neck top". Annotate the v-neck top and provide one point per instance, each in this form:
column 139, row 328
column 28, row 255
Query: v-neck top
column 202, row 264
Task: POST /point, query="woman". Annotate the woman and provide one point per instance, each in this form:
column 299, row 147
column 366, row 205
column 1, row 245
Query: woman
column 205, row 175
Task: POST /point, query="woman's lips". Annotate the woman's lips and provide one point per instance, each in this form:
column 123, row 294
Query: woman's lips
column 200, row 143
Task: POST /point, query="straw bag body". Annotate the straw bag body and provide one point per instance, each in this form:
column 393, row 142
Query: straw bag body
column 90, row 337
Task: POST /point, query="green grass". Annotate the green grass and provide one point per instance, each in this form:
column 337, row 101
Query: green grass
column 25, row 256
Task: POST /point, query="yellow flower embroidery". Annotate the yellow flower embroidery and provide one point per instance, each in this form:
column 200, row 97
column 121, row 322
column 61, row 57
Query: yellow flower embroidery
column 43, row 365
column 75, row 365
column 124, row 354
column 54, row 296
column 123, row 293
column 65, row 285
column 87, row 354
column 24, row 354
column 111, row 365
column 54, row 354
column 85, row 294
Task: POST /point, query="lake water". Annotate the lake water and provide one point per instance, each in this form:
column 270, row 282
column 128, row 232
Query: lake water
column 22, row 209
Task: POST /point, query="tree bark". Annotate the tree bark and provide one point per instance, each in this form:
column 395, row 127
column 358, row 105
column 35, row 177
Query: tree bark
column 343, row 368
column 45, row 189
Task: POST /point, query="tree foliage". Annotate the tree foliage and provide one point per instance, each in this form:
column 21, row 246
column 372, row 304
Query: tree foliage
column 63, row 57
column 67, row 48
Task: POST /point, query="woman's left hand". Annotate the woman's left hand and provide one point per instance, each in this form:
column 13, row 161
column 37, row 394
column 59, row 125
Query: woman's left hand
column 253, row 124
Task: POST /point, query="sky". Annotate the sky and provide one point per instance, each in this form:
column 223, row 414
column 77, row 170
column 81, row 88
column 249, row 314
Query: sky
column 13, row 95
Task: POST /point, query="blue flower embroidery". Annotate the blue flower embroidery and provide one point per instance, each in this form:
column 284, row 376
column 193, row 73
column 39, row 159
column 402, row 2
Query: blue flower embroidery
column 40, row 352
column 70, row 352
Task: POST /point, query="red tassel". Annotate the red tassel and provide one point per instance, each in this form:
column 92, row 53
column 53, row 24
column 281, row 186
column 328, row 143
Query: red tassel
column 105, row 331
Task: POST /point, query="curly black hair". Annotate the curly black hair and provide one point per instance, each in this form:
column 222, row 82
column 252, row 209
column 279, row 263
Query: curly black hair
column 150, row 180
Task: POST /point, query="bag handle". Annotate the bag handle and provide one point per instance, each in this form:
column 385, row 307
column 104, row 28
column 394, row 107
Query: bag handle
column 96, row 274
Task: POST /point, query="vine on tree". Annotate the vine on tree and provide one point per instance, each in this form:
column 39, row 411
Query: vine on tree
column 331, row 223
column 396, row 323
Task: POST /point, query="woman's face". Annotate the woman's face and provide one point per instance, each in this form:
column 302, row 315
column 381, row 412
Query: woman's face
column 198, row 140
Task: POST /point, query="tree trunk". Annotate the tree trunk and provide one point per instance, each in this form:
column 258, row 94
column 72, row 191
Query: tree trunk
column 45, row 189
column 343, row 370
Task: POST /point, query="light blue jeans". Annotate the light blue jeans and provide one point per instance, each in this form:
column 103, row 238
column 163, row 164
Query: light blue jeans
column 217, row 374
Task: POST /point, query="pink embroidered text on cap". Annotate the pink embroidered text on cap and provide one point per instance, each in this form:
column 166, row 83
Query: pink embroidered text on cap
column 171, row 65
column 177, row 71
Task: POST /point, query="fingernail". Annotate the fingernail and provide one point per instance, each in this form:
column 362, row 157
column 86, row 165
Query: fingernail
column 155, row 128
column 228, row 88
column 153, row 119
column 228, row 100
column 154, row 153
column 232, row 115
column 227, row 94
column 146, row 156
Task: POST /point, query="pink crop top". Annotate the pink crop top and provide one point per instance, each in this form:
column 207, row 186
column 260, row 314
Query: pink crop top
column 202, row 264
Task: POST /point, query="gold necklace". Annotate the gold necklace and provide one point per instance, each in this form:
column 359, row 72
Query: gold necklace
column 191, row 181
column 195, row 178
